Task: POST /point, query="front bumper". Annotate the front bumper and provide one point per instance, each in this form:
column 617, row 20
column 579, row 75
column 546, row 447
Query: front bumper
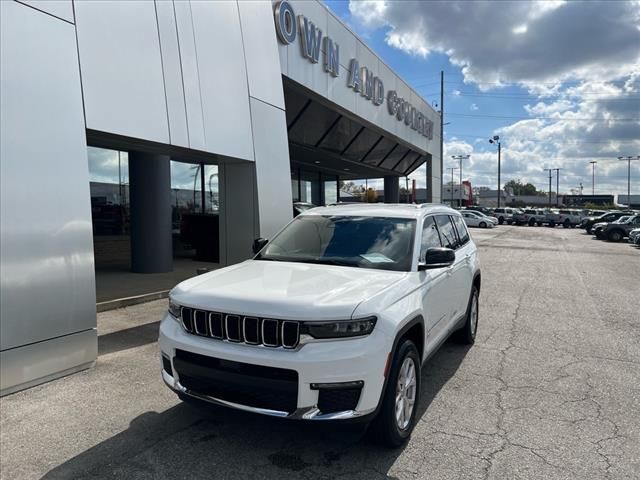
column 327, row 362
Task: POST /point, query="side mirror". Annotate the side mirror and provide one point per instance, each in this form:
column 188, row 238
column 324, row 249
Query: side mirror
column 438, row 257
column 258, row 243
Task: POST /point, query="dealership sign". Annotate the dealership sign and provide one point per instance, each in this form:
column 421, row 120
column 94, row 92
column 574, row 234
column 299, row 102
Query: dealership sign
column 360, row 78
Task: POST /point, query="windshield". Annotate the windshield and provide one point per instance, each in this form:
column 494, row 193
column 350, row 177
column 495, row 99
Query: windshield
column 625, row 219
column 368, row 242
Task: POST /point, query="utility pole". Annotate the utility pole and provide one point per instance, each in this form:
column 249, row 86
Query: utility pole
column 628, row 159
column 557, row 186
column 593, row 176
column 550, row 169
column 441, row 131
column 452, row 183
column 496, row 139
column 460, row 158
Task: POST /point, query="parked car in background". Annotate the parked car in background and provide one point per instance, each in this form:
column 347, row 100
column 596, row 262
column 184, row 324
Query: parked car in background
column 477, row 208
column 598, row 227
column 529, row 217
column 566, row 218
column 504, row 215
column 634, row 236
column 607, row 217
column 616, row 231
column 473, row 219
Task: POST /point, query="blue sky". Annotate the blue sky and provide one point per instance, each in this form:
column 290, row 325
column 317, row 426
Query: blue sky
column 528, row 71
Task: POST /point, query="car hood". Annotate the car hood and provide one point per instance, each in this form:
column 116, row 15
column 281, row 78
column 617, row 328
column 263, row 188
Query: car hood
column 285, row 290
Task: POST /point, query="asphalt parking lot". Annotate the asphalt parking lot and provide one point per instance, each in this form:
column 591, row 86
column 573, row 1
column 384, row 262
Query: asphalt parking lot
column 551, row 389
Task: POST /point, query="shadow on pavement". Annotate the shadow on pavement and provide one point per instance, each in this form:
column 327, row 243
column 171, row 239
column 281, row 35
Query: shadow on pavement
column 128, row 338
column 189, row 442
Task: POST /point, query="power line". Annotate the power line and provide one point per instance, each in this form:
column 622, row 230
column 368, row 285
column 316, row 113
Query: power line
column 471, row 115
column 603, row 96
column 577, row 142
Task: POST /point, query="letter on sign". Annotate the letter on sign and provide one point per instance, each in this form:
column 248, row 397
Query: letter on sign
column 311, row 38
column 331, row 57
column 285, row 22
column 354, row 75
column 378, row 91
column 367, row 83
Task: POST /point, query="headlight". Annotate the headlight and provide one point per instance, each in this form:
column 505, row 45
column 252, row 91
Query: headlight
column 340, row 329
column 174, row 309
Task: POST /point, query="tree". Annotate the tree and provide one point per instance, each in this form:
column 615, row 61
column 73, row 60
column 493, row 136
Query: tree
column 520, row 188
column 370, row 196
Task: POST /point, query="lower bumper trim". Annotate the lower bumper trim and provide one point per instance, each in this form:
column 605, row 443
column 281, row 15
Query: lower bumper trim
column 306, row 413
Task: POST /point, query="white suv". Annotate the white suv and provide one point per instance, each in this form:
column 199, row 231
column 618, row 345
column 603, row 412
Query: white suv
column 331, row 320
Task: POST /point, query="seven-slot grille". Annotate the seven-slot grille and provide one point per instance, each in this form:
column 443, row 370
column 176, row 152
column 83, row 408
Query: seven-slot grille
column 241, row 329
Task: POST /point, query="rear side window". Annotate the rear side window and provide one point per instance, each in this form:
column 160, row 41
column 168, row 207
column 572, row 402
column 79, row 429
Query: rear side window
column 447, row 231
column 499, row 210
column 430, row 236
column 463, row 233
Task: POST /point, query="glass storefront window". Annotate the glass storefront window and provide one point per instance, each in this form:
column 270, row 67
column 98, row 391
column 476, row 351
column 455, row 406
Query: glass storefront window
column 330, row 191
column 109, row 190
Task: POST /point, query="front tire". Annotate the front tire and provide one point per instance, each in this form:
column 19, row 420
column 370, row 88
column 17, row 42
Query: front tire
column 614, row 236
column 532, row 222
column 467, row 334
column 500, row 220
column 393, row 425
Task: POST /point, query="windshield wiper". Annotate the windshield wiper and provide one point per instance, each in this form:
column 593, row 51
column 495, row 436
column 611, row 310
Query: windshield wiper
column 330, row 261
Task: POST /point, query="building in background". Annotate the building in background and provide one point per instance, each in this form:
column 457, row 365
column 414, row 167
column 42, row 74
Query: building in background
column 207, row 119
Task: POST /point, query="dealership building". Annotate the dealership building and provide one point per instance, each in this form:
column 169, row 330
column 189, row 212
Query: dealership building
column 135, row 134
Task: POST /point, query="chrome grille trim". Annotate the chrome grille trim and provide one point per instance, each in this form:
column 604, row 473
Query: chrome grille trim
column 297, row 335
column 257, row 332
column 234, row 318
column 264, row 322
column 216, row 325
column 217, row 320
column 194, row 316
column 184, row 324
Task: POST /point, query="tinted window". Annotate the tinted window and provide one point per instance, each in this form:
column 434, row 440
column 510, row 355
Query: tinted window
column 447, row 232
column 463, row 234
column 369, row 242
column 430, row 236
column 499, row 210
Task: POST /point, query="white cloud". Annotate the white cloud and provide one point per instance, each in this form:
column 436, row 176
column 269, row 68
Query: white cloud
column 514, row 41
column 579, row 60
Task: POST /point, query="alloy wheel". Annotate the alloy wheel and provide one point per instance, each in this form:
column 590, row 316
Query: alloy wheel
column 473, row 320
column 405, row 393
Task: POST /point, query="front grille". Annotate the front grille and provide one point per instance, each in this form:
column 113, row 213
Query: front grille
column 243, row 383
column 239, row 329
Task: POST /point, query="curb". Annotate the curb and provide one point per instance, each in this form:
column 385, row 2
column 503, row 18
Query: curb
column 128, row 301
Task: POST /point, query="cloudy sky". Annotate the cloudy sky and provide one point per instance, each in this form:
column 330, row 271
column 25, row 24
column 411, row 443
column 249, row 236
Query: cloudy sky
column 558, row 81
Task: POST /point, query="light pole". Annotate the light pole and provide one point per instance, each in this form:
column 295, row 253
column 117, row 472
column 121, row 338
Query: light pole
column 593, row 176
column 557, row 186
column 628, row 159
column 496, row 140
column 460, row 158
column 452, row 182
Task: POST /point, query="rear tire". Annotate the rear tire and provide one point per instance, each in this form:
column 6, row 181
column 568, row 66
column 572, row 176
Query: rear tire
column 389, row 427
column 532, row 222
column 566, row 224
column 500, row 220
column 482, row 225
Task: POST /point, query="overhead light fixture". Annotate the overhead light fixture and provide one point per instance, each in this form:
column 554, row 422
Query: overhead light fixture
column 317, row 161
column 346, row 169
